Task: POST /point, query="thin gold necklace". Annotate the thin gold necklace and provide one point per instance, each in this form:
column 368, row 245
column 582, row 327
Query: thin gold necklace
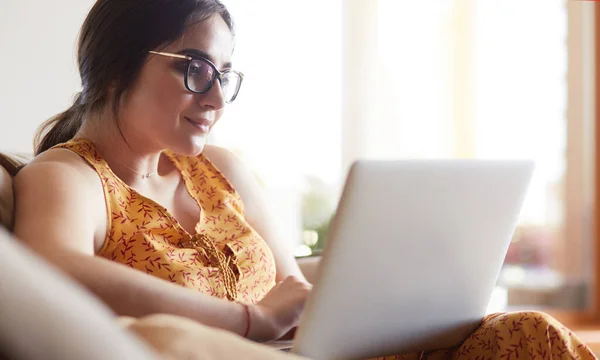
column 143, row 175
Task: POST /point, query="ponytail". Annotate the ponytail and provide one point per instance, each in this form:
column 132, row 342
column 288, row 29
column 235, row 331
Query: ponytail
column 60, row 128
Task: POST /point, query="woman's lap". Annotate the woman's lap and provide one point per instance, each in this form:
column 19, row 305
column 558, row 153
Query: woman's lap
column 518, row 335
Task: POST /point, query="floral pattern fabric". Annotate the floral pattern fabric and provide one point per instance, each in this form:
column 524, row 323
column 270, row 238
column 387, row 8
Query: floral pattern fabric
column 510, row 336
column 145, row 236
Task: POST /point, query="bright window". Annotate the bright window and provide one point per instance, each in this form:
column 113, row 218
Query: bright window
column 448, row 79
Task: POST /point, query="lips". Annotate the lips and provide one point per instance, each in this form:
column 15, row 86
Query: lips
column 201, row 124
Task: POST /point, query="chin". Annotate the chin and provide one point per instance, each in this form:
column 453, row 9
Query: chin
column 192, row 146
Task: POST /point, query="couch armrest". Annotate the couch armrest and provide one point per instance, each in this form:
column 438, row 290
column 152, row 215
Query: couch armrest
column 44, row 314
column 6, row 199
column 309, row 266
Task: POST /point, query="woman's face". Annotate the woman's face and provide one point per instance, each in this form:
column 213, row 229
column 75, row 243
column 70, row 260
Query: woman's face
column 159, row 111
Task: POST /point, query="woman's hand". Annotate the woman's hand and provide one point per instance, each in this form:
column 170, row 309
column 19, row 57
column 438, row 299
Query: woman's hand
column 279, row 311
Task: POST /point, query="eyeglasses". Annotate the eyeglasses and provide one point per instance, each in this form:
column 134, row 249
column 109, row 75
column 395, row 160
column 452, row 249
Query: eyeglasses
column 200, row 75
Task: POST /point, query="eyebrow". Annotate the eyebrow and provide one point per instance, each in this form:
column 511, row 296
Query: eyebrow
column 202, row 54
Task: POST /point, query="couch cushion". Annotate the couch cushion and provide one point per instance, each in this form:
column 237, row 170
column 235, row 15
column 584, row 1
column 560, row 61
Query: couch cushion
column 10, row 164
column 45, row 314
column 13, row 162
column 6, row 199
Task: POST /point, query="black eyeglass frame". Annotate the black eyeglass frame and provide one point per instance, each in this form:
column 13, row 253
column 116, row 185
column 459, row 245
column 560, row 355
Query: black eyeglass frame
column 217, row 74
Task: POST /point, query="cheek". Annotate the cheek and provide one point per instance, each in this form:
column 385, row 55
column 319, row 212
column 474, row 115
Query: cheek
column 168, row 92
column 161, row 97
column 170, row 100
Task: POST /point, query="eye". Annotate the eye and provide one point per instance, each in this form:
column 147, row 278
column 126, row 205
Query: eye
column 195, row 68
column 200, row 70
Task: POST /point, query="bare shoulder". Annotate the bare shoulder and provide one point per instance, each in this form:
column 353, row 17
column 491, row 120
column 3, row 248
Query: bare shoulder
column 59, row 159
column 228, row 163
column 57, row 172
column 58, row 188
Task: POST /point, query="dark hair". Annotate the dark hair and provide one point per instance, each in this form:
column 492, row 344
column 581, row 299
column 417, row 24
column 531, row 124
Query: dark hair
column 113, row 44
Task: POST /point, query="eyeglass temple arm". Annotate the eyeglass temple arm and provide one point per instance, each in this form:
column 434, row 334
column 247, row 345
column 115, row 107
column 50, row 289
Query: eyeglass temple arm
column 170, row 55
column 183, row 57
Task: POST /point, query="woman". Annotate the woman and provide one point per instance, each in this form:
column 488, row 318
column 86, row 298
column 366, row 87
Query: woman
column 124, row 177
column 156, row 75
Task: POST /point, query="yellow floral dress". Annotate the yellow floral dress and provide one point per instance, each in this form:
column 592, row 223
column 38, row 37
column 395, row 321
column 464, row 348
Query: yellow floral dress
column 225, row 257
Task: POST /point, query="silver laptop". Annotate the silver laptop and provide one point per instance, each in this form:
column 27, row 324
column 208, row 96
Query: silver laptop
column 412, row 256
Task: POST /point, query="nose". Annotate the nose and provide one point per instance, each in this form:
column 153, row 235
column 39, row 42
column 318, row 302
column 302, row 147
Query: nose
column 213, row 98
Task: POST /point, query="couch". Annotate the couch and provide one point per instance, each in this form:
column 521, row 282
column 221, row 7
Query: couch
column 46, row 315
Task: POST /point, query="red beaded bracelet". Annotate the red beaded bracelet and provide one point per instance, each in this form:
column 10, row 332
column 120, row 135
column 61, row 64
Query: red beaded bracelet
column 248, row 320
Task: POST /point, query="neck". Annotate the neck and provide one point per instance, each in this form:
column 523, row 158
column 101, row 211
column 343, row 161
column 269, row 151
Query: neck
column 131, row 158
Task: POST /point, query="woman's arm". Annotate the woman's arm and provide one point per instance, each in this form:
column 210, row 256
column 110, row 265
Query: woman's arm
column 58, row 215
column 257, row 212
